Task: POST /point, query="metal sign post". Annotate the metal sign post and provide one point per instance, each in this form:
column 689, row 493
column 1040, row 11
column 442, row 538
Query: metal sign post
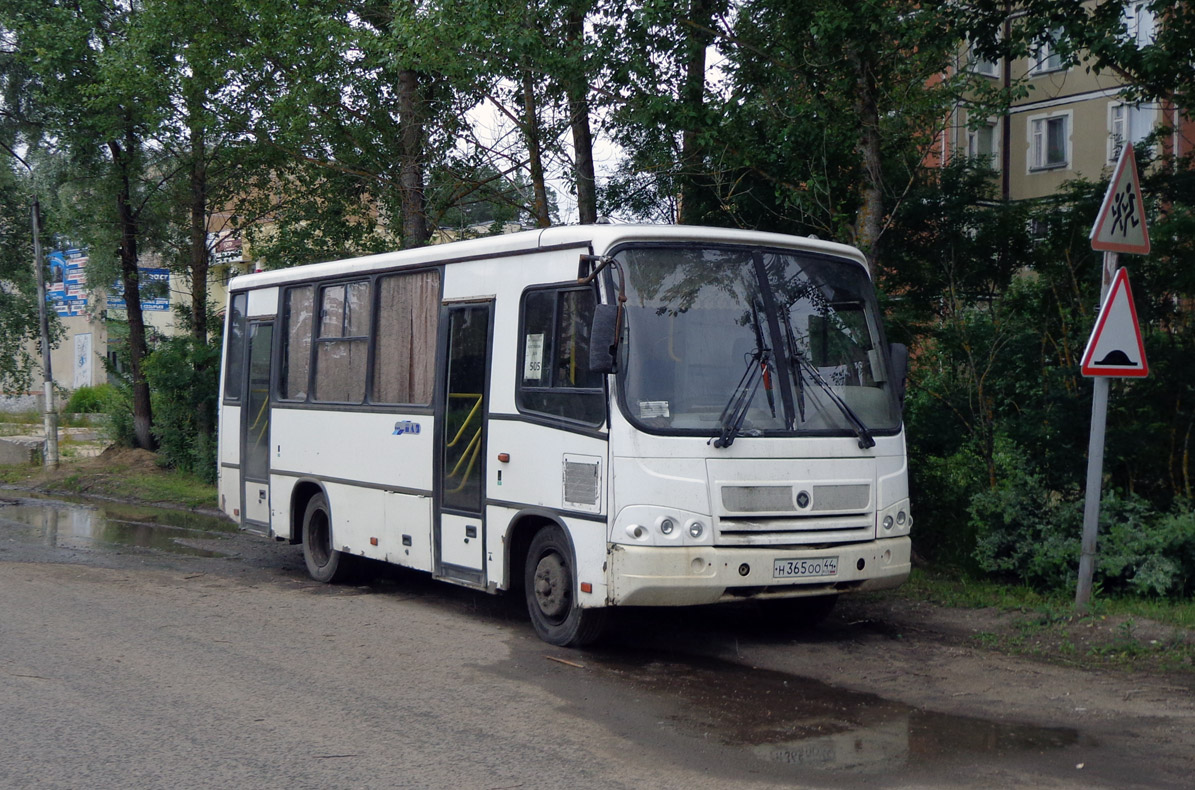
column 49, row 412
column 1111, row 351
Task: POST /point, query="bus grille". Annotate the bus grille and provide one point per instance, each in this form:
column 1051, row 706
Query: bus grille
column 794, row 531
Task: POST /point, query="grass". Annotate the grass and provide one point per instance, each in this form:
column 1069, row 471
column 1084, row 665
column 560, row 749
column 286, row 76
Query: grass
column 1125, row 632
column 950, row 588
column 135, row 481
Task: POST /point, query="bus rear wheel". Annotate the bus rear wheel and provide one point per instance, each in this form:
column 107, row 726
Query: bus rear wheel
column 550, row 586
column 324, row 563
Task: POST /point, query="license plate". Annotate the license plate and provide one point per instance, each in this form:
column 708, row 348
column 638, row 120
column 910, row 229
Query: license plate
column 803, row 569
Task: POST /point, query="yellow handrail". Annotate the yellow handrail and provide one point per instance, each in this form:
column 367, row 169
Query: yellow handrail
column 469, row 419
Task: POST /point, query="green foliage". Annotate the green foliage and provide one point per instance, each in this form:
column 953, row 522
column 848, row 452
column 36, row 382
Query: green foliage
column 88, row 400
column 18, row 291
column 183, row 375
column 118, row 415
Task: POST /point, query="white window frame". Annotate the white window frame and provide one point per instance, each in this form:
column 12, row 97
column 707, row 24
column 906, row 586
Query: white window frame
column 973, row 140
column 1134, row 124
column 1038, row 151
column 985, row 68
column 1139, row 23
column 1045, row 52
column 1118, row 128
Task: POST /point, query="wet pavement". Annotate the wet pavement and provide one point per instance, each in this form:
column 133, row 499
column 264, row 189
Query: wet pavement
column 802, row 723
column 110, row 527
column 728, row 717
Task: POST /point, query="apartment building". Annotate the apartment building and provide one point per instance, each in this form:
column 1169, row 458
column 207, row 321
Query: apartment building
column 1070, row 123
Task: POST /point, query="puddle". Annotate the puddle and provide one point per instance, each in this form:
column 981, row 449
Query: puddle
column 788, row 720
column 66, row 525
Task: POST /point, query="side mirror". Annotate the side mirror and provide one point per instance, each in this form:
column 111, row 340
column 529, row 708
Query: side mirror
column 603, row 338
column 899, row 354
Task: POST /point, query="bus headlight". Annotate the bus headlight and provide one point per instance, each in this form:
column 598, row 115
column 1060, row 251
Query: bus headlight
column 667, row 526
column 696, row 529
column 895, row 520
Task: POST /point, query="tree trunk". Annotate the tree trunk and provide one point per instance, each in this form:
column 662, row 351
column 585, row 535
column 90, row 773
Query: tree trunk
column 692, row 96
column 130, row 280
column 870, row 218
column 414, row 215
column 539, row 205
column 198, row 253
column 577, row 88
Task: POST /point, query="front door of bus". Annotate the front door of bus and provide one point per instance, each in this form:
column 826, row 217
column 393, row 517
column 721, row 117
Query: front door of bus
column 255, row 430
column 460, row 539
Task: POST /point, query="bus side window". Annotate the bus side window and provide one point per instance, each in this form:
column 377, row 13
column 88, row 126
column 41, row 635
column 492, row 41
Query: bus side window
column 555, row 379
column 343, row 343
column 296, row 342
column 234, row 368
column 404, row 362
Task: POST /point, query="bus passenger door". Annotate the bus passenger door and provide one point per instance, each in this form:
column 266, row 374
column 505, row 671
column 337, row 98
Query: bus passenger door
column 461, row 417
column 255, row 430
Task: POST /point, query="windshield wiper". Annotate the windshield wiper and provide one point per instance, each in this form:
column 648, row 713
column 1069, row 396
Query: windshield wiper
column 758, row 369
column 861, row 430
column 735, row 413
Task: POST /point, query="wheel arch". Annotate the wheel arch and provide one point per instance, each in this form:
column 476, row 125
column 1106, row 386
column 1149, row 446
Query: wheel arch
column 519, row 533
column 300, row 495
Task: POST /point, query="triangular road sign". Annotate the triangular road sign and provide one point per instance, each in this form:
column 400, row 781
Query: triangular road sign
column 1120, row 226
column 1115, row 347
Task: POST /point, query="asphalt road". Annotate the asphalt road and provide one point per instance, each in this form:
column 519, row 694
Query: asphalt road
column 126, row 667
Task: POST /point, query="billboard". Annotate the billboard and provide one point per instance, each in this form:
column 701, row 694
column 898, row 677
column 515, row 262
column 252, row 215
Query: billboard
column 66, row 290
column 155, row 291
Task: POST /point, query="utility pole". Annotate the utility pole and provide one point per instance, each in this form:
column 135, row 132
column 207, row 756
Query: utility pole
column 50, row 456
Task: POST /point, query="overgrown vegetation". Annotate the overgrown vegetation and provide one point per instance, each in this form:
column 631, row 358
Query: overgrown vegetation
column 998, row 414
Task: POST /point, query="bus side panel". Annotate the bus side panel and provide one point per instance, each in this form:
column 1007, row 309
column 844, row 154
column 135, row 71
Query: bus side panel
column 555, row 471
column 229, row 484
column 385, row 449
column 358, row 514
column 376, row 470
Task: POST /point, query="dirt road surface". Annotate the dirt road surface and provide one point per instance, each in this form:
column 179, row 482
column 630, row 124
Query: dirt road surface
column 124, row 666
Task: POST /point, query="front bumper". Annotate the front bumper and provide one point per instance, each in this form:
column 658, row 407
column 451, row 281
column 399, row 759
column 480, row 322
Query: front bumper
column 692, row 575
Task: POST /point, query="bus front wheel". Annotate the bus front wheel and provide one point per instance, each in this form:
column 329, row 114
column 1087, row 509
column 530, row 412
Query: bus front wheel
column 550, row 585
column 324, row 563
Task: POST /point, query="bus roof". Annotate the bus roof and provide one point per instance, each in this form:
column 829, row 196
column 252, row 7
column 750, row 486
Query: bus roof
column 598, row 237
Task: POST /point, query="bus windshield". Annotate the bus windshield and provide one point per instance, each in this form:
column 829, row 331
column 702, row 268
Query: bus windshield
column 732, row 341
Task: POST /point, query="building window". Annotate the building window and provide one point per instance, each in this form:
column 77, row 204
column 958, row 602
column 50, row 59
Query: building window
column 1049, row 142
column 1128, row 122
column 1046, row 57
column 976, row 63
column 1138, row 21
column 982, row 143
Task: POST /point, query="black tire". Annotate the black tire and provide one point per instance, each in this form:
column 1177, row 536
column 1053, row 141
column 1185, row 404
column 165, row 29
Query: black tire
column 550, row 586
column 324, row 563
column 800, row 613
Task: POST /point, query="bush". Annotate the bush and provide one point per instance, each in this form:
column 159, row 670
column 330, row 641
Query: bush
column 88, row 400
column 118, row 415
column 1026, row 532
column 183, row 379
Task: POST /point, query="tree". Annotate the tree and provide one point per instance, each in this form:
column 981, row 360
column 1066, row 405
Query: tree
column 93, row 91
column 1150, row 45
column 18, row 289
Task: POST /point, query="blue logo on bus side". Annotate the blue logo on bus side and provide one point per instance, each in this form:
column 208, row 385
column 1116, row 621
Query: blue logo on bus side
column 405, row 426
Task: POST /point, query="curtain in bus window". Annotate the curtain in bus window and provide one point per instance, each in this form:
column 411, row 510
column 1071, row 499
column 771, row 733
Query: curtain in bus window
column 342, row 346
column 296, row 355
column 404, row 357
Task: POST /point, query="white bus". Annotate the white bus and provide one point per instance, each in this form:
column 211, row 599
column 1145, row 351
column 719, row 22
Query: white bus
column 599, row 415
